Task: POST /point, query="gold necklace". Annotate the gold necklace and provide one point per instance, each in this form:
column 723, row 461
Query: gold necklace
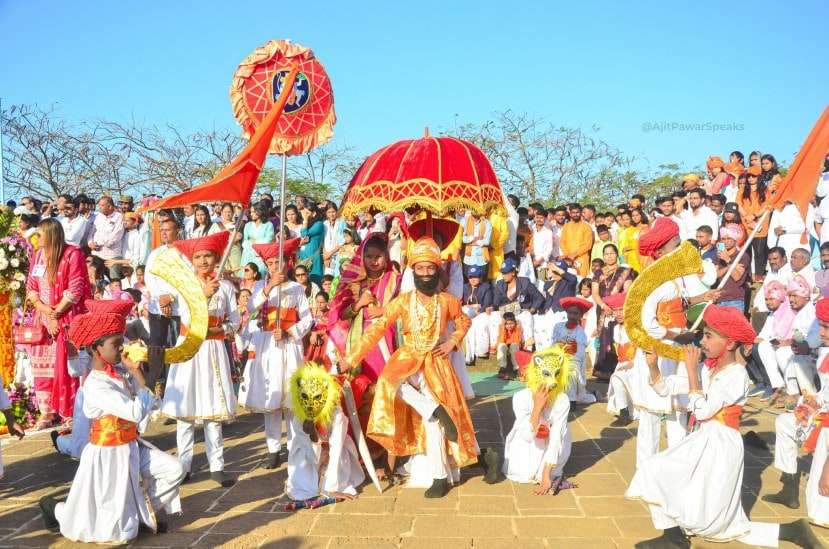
column 424, row 323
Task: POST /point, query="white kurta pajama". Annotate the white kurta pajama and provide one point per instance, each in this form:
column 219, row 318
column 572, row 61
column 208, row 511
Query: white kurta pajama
column 73, row 444
column 697, row 484
column 264, row 388
column 623, row 390
column 525, row 455
column 578, row 389
column 116, row 488
column 343, row 473
column 201, row 388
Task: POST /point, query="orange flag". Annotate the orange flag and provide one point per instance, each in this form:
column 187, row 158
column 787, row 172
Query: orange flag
column 235, row 183
column 800, row 182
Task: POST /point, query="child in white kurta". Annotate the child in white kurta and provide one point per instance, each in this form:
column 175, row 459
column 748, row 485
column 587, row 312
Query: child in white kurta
column 201, row 388
column 264, row 388
column 694, row 488
column 73, row 444
column 572, row 336
column 529, row 450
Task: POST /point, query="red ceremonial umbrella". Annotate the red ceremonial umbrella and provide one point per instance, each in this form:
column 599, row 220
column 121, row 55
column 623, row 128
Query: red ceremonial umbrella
column 437, row 174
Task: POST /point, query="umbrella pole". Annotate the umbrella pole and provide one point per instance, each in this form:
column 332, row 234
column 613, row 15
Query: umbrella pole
column 226, row 255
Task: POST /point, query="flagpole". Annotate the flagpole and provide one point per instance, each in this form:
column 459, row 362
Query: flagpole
column 281, row 237
column 226, row 255
column 734, row 263
column 2, row 179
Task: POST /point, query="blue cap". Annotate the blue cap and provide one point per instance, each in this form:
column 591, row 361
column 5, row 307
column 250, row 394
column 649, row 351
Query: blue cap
column 561, row 265
column 474, row 271
column 509, row 265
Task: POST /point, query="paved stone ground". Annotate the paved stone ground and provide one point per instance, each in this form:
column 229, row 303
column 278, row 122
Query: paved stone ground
column 596, row 514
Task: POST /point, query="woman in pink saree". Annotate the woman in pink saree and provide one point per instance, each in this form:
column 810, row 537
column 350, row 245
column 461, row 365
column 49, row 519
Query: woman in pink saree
column 367, row 284
column 57, row 287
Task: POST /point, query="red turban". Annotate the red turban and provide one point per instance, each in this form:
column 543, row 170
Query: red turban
column 822, row 309
column 616, row 300
column 270, row 250
column 714, row 162
column 662, row 230
column 730, row 323
column 446, row 228
column 106, row 317
column 583, row 304
column 215, row 243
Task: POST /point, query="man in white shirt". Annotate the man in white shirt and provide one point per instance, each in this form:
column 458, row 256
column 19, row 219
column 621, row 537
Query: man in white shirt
column 74, row 224
column 560, row 218
column 800, row 263
column 697, row 215
column 165, row 317
column 779, row 269
column 109, row 230
column 786, row 228
column 542, row 244
column 187, row 222
column 135, row 245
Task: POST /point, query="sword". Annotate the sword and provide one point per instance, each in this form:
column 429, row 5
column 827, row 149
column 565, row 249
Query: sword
column 362, row 447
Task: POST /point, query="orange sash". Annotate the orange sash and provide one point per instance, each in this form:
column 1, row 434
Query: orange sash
column 671, row 314
column 811, row 441
column 625, row 351
column 288, row 316
column 111, row 430
column 728, row 416
column 470, row 227
column 212, row 322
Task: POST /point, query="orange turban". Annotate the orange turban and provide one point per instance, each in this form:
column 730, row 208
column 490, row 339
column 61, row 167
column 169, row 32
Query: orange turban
column 661, row 232
column 615, row 301
column 106, row 317
column 733, row 168
column 215, row 243
column 583, row 304
column 730, row 323
column 822, row 309
column 132, row 215
column 425, row 249
column 714, row 162
column 270, row 250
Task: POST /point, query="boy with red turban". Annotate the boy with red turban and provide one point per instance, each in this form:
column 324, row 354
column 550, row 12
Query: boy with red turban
column 286, row 319
column 693, row 488
column 571, row 334
column 201, row 388
column 122, row 480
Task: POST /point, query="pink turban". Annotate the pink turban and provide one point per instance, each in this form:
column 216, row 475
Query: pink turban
column 776, row 290
column 799, row 286
column 732, row 230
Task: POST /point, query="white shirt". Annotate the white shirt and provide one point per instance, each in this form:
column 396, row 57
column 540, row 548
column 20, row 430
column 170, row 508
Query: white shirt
column 135, row 245
column 542, row 244
column 694, row 219
column 74, row 230
column 793, row 226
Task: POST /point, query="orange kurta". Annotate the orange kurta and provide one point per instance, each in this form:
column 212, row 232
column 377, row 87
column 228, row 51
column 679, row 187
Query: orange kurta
column 577, row 238
column 393, row 424
column 752, row 206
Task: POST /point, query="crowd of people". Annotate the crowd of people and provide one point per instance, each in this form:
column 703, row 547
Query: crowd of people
column 400, row 304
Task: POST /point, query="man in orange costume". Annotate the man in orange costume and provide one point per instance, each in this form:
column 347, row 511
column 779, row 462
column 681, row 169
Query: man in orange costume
column 577, row 241
column 418, row 392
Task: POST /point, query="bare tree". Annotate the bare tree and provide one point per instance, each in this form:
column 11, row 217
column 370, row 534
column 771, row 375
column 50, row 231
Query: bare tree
column 539, row 161
column 328, row 168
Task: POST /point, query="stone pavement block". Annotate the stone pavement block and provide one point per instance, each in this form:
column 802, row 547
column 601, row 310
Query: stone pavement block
column 589, row 484
column 611, row 506
column 475, row 486
column 433, row 543
column 526, row 499
column 173, row 539
column 541, row 527
column 411, row 501
column 480, row 527
column 361, row 543
column 636, row 527
column 297, row 524
column 572, row 543
column 285, row 542
column 369, row 526
column 365, row 505
column 493, row 506
column 508, row 543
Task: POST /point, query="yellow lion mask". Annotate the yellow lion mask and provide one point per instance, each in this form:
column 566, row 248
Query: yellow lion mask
column 552, row 367
column 315, row 393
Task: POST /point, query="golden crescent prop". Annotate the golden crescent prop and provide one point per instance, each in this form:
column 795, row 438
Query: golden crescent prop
column 684, row 261
column 170, row 267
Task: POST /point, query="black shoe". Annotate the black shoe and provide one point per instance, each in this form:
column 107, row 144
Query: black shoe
column 55, row 435
column 47, row 506
column 186, row 478
column 484, row 357
column 272, row 461
column 501, row 372
column 789, row 495
column 439, row 488
column 672, row 538
column 446, row 422
column 489, row 462
column 224, row 480
column 800, row 533
column 468, row 364
column 622, row 420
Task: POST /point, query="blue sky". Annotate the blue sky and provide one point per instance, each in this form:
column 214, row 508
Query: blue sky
column 397, row 67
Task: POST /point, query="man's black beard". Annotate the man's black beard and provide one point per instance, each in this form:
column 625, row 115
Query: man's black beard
column 427, row 285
